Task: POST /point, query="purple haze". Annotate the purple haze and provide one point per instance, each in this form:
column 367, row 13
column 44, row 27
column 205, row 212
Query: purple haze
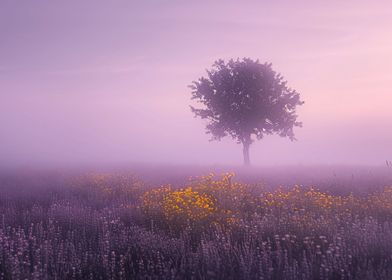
column 98, row 81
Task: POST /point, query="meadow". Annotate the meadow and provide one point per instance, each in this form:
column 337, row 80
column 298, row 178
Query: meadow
column 191, row 223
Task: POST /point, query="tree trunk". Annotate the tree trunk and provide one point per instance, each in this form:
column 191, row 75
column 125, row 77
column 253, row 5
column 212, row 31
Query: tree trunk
column 245, row 151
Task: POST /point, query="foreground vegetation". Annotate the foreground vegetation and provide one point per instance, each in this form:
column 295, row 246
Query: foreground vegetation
column 108, row 226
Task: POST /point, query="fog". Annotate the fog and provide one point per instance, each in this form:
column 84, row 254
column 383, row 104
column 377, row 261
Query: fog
column 85, row 82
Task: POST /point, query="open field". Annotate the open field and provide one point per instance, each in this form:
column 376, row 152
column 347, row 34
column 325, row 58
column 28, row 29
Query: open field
column 156, row 222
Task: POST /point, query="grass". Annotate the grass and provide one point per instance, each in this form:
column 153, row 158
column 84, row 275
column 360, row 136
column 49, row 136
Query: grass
column 114, row 226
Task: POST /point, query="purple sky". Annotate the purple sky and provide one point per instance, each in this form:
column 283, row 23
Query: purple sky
column 106, row 81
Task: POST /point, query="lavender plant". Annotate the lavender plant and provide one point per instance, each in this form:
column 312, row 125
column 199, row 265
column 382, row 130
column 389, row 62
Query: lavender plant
column 96, row 227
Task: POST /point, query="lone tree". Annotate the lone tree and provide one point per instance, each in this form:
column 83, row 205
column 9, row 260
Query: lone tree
column 245, row 99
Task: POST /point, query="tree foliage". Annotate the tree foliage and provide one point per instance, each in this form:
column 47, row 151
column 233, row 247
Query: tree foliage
column 245, row 98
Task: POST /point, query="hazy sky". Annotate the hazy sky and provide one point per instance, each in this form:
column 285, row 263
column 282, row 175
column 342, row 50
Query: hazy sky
column 106, row 81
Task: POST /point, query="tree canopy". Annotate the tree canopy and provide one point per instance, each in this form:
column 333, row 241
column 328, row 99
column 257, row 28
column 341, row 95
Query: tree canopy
column 245, row 98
